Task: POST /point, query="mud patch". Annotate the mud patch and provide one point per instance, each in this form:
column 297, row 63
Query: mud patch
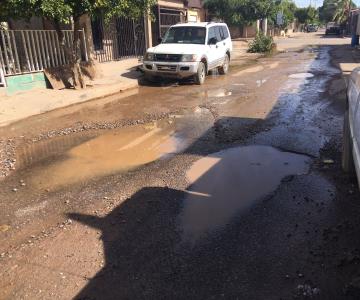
column 224, row 184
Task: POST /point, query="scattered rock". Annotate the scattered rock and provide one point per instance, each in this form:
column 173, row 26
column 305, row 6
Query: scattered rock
column 4, row 228
column 307, row 291
column 353, row 289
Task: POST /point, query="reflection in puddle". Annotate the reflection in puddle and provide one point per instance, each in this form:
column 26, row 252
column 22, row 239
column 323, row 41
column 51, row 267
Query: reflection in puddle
column 259, row 83
column 118, row 150
column 294, row 86
column 33, row 153
column 301, row 76
column 70, row 159
column 225, row 183
column 217, row 93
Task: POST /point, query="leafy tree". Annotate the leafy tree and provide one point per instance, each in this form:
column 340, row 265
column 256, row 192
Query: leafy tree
column 287, row 8
column 336, row 10
column 66, row 11
column 231, row 11
column 240, row 12
column 262, row 8
column 307, row 15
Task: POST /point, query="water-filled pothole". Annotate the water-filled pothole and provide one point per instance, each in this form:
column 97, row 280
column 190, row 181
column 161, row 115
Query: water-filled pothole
column 224, row 184
column 71, row 159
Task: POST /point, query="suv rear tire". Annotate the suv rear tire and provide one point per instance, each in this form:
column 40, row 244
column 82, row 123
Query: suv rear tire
column 347, row 150
column 201, row 74
column 224, row 69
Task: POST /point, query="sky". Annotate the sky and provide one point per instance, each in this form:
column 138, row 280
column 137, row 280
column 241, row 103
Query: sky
column 305, row 3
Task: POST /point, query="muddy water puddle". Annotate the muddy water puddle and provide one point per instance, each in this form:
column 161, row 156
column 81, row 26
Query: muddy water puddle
column 225, row 184
column 301, row 76
column 77, row 158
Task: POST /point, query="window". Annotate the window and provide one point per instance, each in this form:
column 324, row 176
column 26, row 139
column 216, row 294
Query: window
column 218, row 33
column 185, row 35
column 212, row 34
column 225, row 32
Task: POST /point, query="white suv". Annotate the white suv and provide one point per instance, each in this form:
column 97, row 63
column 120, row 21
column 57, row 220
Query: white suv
column 190, row 50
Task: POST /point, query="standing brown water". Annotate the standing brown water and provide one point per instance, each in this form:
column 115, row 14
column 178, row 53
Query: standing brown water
column 226, row 183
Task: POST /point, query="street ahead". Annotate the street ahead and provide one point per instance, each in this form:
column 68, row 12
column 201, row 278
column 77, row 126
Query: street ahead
column 230, row 190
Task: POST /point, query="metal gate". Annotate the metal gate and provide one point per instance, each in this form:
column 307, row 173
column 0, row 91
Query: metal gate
column 164, row 19
column 169, row 17
column 121, row 38
column 27, row 51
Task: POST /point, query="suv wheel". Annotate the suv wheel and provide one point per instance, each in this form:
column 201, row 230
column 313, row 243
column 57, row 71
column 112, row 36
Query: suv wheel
column 347, row 153
column 224, row 69
column 201, row 74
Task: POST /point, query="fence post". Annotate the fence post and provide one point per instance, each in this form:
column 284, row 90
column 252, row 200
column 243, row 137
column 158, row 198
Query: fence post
column 135, row 38
column 2, row 76
column 26, row 52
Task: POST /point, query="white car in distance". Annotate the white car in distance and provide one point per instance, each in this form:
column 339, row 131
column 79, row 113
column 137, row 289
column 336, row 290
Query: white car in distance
column 190, row 50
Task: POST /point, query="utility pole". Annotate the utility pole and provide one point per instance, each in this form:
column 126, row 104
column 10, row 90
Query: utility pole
column 315, row 3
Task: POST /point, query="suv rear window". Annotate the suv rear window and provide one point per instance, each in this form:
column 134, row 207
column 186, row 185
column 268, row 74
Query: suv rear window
column 224, row 32
column 185, row 35
column 218, row 33
column 212, row 33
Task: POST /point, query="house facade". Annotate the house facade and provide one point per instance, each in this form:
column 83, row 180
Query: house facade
column 123, row 38
column 31, row 47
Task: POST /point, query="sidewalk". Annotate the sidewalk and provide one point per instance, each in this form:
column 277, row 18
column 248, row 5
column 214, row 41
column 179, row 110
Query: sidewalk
column 115, row 77
column 299, row 40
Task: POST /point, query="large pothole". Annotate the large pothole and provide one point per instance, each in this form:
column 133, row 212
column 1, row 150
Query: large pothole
column 225, row 183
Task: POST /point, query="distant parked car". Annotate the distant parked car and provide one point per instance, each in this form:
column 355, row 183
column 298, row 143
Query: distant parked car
column 332, row 28
column 312, row 28
column 190, row 50
column 351, row 135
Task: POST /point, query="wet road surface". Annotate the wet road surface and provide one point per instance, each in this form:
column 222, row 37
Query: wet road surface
column 223, row 191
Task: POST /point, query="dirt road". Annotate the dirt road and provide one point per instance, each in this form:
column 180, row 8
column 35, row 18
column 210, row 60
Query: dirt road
column 231, row 190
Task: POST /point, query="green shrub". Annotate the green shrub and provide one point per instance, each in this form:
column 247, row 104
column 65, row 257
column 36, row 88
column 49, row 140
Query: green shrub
column 262, row 44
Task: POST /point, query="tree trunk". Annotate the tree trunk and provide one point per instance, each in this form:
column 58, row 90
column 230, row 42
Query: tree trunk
column 72, row 55
column 78, row 78
column 257, row 26
column 61, row 39
column 265, row 26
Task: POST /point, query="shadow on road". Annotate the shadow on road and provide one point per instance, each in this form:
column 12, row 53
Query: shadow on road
column 147, row 255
